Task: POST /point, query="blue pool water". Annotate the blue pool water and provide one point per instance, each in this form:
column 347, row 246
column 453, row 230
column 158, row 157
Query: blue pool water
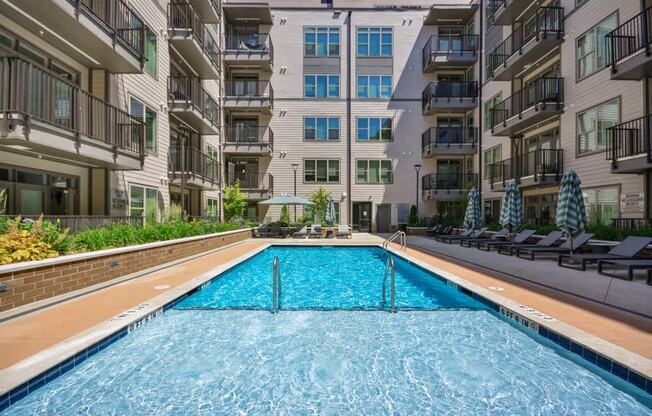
column 447, row 354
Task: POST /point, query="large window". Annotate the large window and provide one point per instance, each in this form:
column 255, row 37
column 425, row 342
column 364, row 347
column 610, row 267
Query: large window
column 592, row 126
column 213, row 160
column 601, row 204
column 489, row 105
column 143, row 202
column 491, row 156
column 142, row 112
column 321, row 128
column 150, row 52
column 374, row 129
column 374, row 41
column 322, row 86
column 591, row 51
column 321, row 41
column 211, row 207
column 321, row 171
column 374, row 86
column 373, row 171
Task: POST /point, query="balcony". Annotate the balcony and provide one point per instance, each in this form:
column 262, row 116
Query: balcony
column 535, row 38
column 43, row 113
column 455, row 96
column 446, row 51
column 189, row 101
column 191, row 39
column 629, row 146
column 105, row 34
column 248, row 140
column 252, row 12
column 630, row 47
column 188, row 166
column 210, row 11
column 504, row 12
column 447, row 187
column 444, row 14
column 250, row 50
column 257, row 186
column 449, row 141
column 249, row 96
column 539, row 101
column 536, row 168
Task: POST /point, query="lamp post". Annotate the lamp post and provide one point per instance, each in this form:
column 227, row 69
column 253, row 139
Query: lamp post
column 417, row 168
column 295, row 166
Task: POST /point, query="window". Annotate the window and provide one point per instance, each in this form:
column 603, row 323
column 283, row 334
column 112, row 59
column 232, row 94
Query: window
column 213, row 161
column 321, row 128
column 601, row 204
column 374, row 41
column 321, row 86
column 321, row 171
column 150, row 52
column 321, row 41
column 375, row 129
column 211, row 207
column 491, row 156
column 592, row 124
column 374, row 171
column 309, row 214
column 142, row 112
column 492, row 210
column 143, row 202
column 374, row 86
column 591, row 51
column 488, row 107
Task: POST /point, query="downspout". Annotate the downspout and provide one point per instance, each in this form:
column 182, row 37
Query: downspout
column 480, row 104
column 348, row 117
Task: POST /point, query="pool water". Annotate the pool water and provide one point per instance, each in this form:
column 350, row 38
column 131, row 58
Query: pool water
column 444, row 353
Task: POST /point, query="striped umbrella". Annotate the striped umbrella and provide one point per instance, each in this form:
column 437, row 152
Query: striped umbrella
column 511, row 211
column 473, row 214
column 330, row 216
column 571, row 212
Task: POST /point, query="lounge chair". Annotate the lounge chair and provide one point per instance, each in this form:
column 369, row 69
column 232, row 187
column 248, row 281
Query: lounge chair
column 274, row 231
column 625, row 250
column 547, row 241
column 568, row 246
column 474, row 234
column 302, row 233
column 465, row 233
column 629, row 264
column 434, row 230
column 315, row 231
column 498, row 236
column 519, row 238
column 261, row 231
column 444, row 230
column 342, row 231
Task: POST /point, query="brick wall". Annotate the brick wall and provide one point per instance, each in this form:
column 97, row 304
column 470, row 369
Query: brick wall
column 38, row 283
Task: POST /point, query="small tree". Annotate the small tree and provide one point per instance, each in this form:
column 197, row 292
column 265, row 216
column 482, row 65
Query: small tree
column 234, row 202
column 319, row 198
column 285, row 216
column 413, row 218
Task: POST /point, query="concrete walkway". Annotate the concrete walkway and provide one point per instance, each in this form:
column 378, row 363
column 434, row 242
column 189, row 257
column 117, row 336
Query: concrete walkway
column 632, row 296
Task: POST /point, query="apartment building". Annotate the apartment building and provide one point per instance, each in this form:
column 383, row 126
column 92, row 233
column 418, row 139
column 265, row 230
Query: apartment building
column 109, row 107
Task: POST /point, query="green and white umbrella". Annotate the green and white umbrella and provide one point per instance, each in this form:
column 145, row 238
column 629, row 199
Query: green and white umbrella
column 286, row 200
column 330, row 216
column 571, row 212
column 511, row 211
column 473, row 214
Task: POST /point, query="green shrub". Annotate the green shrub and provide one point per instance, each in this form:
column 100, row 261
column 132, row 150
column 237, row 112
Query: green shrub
column 234, row 202
column 285, row 216
column 413, row 218
column 36, row 240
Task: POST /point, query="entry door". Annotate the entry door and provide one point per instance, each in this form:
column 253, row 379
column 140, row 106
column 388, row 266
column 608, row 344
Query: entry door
column 362, row 216
column 383, row 218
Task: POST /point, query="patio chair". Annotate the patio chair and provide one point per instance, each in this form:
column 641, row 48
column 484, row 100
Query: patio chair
column 455, row 238
column 434, row 230
column 274, row 231
column 444, row 230
column 629, row 264
column 625, row 250
column 519, row 238
column 342, row 231
column 315, row 231
column 465, row 233
column 547, row 241
column 302, row 233
column 568, row 246
column 498, row 236
column 261, row 231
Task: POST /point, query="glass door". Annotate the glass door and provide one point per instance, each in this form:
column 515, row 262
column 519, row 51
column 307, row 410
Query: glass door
column 362, row 216
column 449, row 173
column 449, row 130
column 245, row 130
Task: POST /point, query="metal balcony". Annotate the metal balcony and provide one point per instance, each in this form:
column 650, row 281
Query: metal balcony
column 257, row 186
column 249, row 96
column 248, row 140
column 449, row 96
column 253, row 50
column 189, row 101
column 536, row 168
column 188, row 166
column 443, row 51
column 630, row 47
column 449, row 141
column 505, row 12
column 447, row 187
column 629, row 146
column 444, row 14
column 210, row 11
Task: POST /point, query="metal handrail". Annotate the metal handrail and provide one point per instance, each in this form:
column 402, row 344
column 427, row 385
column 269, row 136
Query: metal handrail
column 389, row 265
column 276, row 286
column 403, row 241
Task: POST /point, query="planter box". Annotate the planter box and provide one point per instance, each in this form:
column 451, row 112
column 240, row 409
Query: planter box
column 32, row 281
column 417, row 230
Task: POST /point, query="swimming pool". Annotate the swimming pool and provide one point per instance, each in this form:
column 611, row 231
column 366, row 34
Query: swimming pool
column 219, row 351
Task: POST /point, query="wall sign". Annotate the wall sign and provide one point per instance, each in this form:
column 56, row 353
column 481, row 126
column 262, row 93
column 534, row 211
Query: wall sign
column 118, row 198
column 633, row 202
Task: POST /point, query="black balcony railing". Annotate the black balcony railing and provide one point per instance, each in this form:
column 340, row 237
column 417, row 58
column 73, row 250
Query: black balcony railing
column 250, row 42
column 631, row 138
column 493, row 6
column 183, row 20
column 35, row 92
column 189, row 92
column 243, row 88
column 546, row 22
column 632, row 36
column 447, row 90
column 253, row 181
column 192, row 162
column 631, row 223
column 449, row 45
column 540, row 91
column 442, row 182
column 249, row 135
column 119, row 20
column 538, row 164
column 449, row 137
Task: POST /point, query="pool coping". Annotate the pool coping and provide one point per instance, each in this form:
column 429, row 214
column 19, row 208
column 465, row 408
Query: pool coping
column 22, row 378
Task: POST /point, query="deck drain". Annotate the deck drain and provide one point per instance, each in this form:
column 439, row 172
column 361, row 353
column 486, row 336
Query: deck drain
column 162, row 287
column 497, row 288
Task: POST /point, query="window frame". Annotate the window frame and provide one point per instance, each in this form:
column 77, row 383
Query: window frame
column 592, row 31
column 488, row 106
column 329, row 29
column 316, row 88
column 209, row 209
column 578, row 152
column 381, row 30
column 153, row 71
column 597, row 188
column 316, row 169
column 491, row 150
column 146, row 108
column 380, row 172
column 328, row 129
column 381, row 86
column 380, row 130
column 144, row 188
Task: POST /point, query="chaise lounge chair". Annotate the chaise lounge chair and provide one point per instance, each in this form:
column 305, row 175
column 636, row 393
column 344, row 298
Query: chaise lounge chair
column 315, row 231
column 342, row 231
column 498, row 236
column 629, row 264
column 625, row 250
column 568, row 246
column 472, row 236
column 274, row 231
column 519, row 238
column 434, row 230
column 302, row 233
column 442, row 237
column 261, row 231
column 444, row 230
column 547, row 241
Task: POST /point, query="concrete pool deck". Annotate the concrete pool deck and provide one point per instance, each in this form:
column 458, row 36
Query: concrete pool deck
column 43, row 330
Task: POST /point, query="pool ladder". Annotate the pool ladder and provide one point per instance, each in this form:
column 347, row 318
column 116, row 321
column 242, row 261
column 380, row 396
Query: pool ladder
column 276, row 286
column 390, row 268
column 397, row 234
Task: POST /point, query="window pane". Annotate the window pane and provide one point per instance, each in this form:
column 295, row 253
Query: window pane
column 374, row 171
column 137, row 109
column 309, row 81
column 386, row 171
column 322, row 44
column 363, row 128
column 363, row 90
column 309, row 170
column 322, row 85
column 374, row 44
column 333, row 170
column 322, row 170
column 374, row 87
column 150, row 64
column 363, row 46
column 150, row 129
column 334, row 86
column 322, row 127
column 137, row 200
column 361, row 171
column 309, row 129
column 386, row 132
column 386, row 90
column 333, row 129
column 374, row 129
column 387, row 44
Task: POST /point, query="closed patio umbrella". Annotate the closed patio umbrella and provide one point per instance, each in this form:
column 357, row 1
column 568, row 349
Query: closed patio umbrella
column 286, row 200
column 330, row 216
column 511, row 211
column 571, row 212
column 473, row 214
